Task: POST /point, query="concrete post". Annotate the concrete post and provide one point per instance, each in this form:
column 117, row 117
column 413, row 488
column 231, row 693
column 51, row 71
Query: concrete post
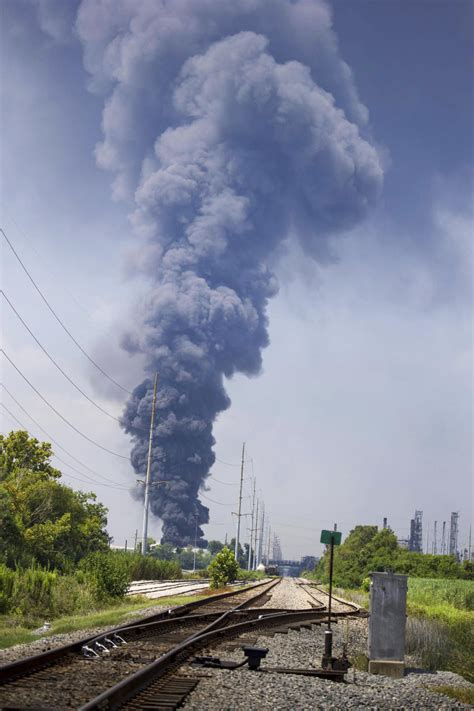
column 388, row 597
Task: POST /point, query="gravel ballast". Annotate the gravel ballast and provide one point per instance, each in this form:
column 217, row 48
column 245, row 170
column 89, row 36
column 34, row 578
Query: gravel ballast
column 44, row 644
column 244, row 690
column 241, row 690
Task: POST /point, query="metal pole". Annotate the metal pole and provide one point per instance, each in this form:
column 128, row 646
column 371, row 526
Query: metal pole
column 254, row 565
column 331, row 565
column 268, row 546
column 146, row 503
column 195, row 542
column 249, row 562
column 239, row 514
column 262, row 525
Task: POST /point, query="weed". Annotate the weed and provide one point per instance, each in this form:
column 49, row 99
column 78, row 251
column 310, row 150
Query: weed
column 360, row 661
column 464, row 694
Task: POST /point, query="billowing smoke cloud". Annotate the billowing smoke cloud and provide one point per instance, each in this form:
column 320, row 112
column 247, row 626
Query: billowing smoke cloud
column 231, row 124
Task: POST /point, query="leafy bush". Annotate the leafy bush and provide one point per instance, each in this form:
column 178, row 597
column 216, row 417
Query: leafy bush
column 108, row 573
column 146, row 567
column 223, row 569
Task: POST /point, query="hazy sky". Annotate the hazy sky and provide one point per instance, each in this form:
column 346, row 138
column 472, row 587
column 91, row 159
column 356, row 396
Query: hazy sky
column 363, row 408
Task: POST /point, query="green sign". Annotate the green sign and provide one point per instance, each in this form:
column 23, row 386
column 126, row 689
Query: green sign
column 329, row 537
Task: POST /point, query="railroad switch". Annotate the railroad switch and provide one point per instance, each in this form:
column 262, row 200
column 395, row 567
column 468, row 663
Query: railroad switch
column 254, row 656
column 331, row 663
column 216, row 663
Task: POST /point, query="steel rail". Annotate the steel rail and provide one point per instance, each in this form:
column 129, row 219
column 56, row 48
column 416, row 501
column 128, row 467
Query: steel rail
column 340, row 600
column 118, row 695
column 35, row 662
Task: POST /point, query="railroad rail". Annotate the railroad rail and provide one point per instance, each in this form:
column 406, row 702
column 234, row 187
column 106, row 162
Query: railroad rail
column 145, row 655
column 322, row 594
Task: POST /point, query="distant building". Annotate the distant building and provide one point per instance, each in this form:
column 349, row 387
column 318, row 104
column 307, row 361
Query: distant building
column 309, row 562
column 416, row 533
column 453, row 535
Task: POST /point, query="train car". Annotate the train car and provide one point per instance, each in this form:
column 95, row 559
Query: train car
column 271, row 570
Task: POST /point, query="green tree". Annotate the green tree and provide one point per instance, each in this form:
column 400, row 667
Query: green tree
column 20, row 451
column 165, row 551
column 43, row 520
column 223, row 569
column 368, row 550
column 214, row 547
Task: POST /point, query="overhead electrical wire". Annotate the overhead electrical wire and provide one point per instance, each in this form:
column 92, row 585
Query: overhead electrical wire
column 61, row 323
column 228, row 464
column 82, row 464
column 13, row 417
column 86, row 437
column 219, row 503
column 54, row 273
column 78, row 461
column 226, row 483
column 89, row 480
column 93, row 402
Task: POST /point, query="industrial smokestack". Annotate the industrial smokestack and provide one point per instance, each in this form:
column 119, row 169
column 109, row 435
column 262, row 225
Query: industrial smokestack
column 230, row 126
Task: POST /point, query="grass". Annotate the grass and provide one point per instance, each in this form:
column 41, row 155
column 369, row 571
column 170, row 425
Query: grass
column 440, row 627
column 465, row 694
column 11, row 633
column 431, row 593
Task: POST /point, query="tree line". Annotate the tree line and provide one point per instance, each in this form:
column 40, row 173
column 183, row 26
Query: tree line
column 368, row 549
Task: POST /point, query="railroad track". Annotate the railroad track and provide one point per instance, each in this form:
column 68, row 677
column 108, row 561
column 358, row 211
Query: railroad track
column 143, row 656
column 340, row 606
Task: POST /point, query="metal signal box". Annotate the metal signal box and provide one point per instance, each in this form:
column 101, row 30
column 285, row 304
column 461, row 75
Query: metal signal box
column 388, row 600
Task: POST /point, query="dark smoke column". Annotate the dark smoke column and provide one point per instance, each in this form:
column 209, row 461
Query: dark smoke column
column 238, row 150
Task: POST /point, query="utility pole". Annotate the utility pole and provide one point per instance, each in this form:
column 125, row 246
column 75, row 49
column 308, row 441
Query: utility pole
column 435, row 536
column 249, row 562
column 443, row 540
column 469, row 559
column 195, row 541
column 254, row 565
column 146, row 503
column 239, row 511
column 268, row 545
column 262, row 528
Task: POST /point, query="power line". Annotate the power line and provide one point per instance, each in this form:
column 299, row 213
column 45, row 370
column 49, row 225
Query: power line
column 54, row 273
column 93, row 402
column 14, row 418
column 92, row 471
column 226, row 483
column 226, row 463
column 89, row 480
column 89, row 439
column 220, row 503
column 53, row 312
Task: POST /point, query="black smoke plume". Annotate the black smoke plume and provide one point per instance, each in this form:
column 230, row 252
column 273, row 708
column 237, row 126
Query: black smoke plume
column 232, row 125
